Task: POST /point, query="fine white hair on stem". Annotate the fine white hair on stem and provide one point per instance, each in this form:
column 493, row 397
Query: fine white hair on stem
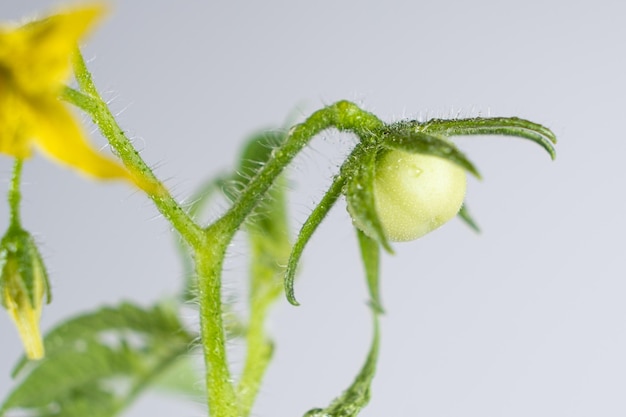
column 451, row 112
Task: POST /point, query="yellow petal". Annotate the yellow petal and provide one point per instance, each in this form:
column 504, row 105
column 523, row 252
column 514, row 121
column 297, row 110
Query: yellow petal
column 40, row 51
column 26, row 319
column 15, row 124
column 59, row 137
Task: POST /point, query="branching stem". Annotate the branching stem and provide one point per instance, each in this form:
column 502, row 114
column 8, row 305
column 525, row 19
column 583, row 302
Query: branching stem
column 343, row 116
column 208, row 244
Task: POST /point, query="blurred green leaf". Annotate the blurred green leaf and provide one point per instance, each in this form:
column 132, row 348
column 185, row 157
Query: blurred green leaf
column 270, row 246
column 183, row 377
column 99, row 362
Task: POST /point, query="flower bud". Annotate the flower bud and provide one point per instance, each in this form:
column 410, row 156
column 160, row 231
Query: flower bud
column 23, row 286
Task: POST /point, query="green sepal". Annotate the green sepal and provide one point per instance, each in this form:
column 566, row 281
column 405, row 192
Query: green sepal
column 406, row 136
column 503, row 126
column 359, row 192
column 21, row 265
column 357, row 396
column 90, row 356
column 468, row 219
column 370, row 254
column 308, row 228
column 318, row 214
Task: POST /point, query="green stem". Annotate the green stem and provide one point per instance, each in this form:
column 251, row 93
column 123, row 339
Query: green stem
column 343, row 115
column 15, row 195
column 198, row 201
column 209, row 249
column 221, row 395
column 162, row 199
column 209, row 245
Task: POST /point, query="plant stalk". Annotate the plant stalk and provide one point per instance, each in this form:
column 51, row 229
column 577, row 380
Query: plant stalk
column 221, row 396
column 15, row 195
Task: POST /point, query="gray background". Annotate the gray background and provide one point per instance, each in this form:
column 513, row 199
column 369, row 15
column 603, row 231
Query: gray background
column 525, row 319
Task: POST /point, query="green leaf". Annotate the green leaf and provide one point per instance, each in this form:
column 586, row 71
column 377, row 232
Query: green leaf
column 505, row 126
column 468, row 219
column 257, row 151
column 405, row 136
column 99, row 362
column 356, row 397
column 204, row 194
column 269, row 217
column 370, row 254
column 270, row 214
column 361, row 201
column 183, row 377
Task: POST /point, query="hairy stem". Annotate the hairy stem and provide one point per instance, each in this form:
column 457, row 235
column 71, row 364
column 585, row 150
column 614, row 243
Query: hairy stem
column 343, row 115
column 90, row 101
column 15, row 195
column 162, row 199
column 221, row 395
column 208, row 249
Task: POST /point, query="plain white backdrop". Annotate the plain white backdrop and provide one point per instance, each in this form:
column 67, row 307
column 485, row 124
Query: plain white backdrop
column 527, row 318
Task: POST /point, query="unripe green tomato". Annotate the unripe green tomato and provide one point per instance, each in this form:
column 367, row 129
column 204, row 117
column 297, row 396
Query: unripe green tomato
column 415, row 193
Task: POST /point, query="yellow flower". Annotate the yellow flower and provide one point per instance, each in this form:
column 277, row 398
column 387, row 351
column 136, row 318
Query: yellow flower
column 35, row 61
column 23, row 287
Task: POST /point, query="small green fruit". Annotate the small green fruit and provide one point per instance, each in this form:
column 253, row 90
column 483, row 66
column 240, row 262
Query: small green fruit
column 416, row 193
